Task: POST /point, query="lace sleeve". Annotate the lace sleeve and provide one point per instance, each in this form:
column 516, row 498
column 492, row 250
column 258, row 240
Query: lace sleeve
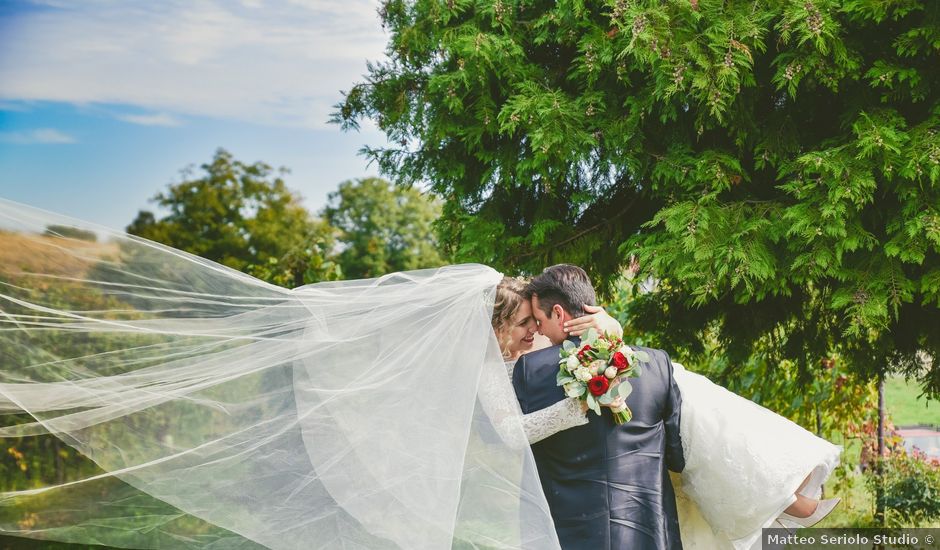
column 519, row 430
column 546, row 422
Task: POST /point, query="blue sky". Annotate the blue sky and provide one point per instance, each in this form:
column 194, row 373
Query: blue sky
column 103, row 102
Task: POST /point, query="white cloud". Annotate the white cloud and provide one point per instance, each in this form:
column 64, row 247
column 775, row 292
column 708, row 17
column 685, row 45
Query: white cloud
column 271, row 62
column 159, row 119
column 37, row 136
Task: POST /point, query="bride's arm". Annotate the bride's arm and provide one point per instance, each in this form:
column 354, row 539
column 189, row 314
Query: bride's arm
column 501, row 406
column 567, row 413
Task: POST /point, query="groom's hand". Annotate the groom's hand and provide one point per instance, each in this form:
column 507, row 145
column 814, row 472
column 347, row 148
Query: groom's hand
column 597, row 319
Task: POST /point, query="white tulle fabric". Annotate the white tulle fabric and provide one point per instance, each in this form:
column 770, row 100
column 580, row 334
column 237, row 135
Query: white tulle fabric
column 228, row 413
column 743, row 464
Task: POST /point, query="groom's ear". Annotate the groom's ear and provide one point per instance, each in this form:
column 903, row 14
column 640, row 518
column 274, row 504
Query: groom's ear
column 558, row 310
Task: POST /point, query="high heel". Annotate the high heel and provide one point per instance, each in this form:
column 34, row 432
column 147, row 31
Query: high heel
column 823, row 509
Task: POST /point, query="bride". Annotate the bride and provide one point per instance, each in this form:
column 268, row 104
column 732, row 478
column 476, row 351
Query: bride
column 224, row 412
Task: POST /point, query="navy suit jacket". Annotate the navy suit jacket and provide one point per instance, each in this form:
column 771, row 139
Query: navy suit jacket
column 607, row 485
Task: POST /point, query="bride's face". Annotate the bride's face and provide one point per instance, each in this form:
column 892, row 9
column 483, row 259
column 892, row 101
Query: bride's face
column 523, row 331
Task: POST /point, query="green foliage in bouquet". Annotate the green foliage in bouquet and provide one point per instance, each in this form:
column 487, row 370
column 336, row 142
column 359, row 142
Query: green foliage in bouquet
column 597, row 369
column 774, row 165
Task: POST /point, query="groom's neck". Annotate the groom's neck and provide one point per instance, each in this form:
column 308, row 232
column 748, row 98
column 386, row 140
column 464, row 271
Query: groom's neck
column 561, row 336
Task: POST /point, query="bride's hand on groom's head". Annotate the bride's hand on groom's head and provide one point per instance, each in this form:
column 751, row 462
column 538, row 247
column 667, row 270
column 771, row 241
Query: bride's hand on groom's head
column 596, row 318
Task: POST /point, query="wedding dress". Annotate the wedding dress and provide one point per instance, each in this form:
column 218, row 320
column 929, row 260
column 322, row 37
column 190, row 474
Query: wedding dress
column 743, row 464
column 225, row 412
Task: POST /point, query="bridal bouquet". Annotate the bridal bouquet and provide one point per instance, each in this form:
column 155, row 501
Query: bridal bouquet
column 598, row 370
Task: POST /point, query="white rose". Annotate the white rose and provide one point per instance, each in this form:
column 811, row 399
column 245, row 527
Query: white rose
column 572, row 389
column 611, row 372
column 573, row 362
column 582, row 374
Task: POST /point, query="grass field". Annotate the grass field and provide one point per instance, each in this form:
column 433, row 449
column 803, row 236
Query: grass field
column 904, row 406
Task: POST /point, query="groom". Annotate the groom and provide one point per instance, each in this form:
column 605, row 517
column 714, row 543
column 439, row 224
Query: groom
column 607, row 485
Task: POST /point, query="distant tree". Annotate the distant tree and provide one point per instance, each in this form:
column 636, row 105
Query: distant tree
column 383, row 228
column 71, row 233
column 234, row 213
column 299, row 266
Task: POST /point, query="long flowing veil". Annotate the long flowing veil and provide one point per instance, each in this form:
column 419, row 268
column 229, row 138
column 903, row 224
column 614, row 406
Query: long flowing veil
column 223, row 412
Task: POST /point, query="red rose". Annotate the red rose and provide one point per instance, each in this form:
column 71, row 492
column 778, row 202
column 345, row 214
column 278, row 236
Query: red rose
column 598, row 385
column 619, row 360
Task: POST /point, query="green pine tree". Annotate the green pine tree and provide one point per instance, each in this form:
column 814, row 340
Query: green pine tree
column 773, row 163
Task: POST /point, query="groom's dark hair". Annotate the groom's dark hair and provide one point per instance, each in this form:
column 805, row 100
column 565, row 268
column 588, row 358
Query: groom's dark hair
column 564, row 284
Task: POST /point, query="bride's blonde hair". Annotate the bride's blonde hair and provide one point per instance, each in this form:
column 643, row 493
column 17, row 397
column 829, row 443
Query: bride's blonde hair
column 509, row 297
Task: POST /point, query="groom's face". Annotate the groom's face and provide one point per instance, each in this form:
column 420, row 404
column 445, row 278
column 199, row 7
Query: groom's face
column 551, row 324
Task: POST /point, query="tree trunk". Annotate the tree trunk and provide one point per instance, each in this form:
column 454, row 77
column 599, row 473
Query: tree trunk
column 879, row 495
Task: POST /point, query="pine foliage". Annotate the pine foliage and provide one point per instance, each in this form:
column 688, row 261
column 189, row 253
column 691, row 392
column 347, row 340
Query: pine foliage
column 772, row 162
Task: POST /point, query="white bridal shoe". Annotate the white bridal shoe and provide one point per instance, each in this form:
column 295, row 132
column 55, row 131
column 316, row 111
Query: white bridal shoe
column 823, row 508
